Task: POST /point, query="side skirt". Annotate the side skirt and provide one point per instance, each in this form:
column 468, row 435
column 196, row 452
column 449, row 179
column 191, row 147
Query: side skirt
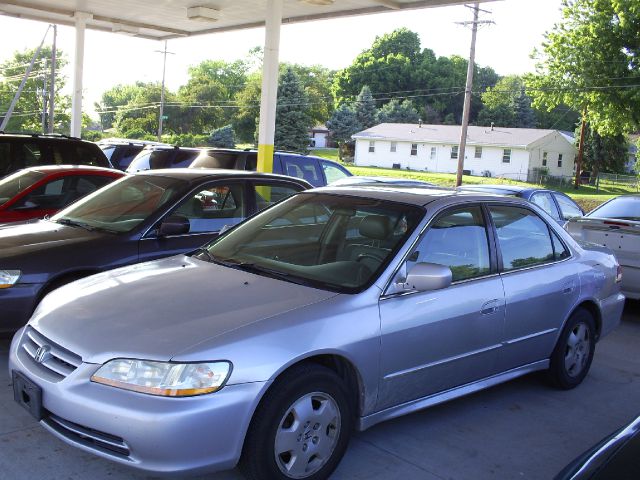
column 435, row 399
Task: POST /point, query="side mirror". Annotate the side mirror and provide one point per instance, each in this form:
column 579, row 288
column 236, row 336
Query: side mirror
column 174, row 225
column 428, row 276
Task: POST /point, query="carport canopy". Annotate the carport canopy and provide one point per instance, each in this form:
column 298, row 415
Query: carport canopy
column 169, row 19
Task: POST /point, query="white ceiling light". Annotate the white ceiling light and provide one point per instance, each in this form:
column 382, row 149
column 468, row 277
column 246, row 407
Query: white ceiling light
column 124, row 29
column 203, row 14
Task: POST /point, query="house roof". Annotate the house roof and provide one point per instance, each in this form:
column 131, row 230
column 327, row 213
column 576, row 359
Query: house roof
column 409, row 132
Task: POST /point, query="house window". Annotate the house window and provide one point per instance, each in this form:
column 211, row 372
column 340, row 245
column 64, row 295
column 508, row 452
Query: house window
column 414, row 149
column 372, row 146
column 506, row 155
column 432, row 155
column 478, row 153
column 454, row 151
column 559, row 160
column 393, row 147
column 544, row 159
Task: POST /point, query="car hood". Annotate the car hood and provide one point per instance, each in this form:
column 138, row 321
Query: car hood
column 30, row 237
column 157, row 309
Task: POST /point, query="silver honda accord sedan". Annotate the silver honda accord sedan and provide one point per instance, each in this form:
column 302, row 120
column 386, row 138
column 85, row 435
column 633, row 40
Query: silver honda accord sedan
column 334, row 310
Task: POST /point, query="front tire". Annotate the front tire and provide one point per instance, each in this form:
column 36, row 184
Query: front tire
column 573, row 354
column 301, row 428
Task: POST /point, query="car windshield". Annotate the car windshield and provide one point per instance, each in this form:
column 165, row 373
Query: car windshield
column 624, row 208
column 16, row 183
column 334, row 242
column 123, row 205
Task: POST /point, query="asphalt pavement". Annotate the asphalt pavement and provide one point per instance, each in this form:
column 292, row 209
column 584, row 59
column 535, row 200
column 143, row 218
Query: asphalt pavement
column 523, row 429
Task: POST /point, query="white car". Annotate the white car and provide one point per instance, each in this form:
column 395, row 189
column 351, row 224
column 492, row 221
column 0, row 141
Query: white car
column 616, row 225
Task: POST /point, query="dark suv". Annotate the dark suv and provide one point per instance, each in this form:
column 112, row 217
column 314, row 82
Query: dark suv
column 154, row 157
column 18, row 151
column 315, row 170
column 122, row 151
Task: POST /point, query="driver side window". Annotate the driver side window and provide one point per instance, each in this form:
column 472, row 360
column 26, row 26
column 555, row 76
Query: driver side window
column 458, row 240
column 213, row 207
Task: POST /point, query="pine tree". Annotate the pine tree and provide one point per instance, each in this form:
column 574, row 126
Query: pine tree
column 223, row 137
column 365, row 107
column 292, row 121
column 525, row 117
column 396, row 112
column 342, row 124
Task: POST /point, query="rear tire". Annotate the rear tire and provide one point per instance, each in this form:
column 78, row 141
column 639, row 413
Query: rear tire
column 301, row 428
column 573, row 354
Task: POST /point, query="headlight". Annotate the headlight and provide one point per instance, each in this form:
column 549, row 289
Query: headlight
column 164, row 379
column 9, row 277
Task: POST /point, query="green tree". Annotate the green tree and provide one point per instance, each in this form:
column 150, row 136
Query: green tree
column 223, row 137
column 316, row 82
column 27, row 115
column 365, row 108
column 292, row 121
column 604, row 153
column 342, row 125
column 589, row 61
column 114, row 98
column 396, row 112
column 245, row 120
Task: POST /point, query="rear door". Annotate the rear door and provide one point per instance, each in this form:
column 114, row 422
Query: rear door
column 541, row 286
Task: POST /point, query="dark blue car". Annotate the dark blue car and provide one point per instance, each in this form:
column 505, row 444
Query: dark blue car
column 315, row 170
column 556, row 204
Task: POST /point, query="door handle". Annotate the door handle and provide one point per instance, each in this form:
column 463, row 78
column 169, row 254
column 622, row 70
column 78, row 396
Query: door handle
column 489, row 307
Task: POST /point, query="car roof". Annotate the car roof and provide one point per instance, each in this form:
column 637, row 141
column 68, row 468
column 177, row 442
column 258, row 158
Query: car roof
column 191, row 174
column 409, row 194
column 41, row 136
column 129, row 141
column 497, row 188
column 74, row 168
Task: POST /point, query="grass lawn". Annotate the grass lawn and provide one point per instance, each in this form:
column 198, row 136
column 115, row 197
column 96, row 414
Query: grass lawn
column 586, row 196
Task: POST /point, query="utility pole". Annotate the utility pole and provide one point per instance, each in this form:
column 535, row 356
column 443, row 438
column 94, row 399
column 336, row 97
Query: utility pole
column 583, row 127
column 164, row 68
column 468, row 89
column 7, row 116
column 52, row 82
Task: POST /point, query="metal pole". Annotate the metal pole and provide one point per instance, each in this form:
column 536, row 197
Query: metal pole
column 581, row 148
column 76, row 99
column 52, row 86
column 164, row 67
column 467, row 96
column 7, row 116
column 269, row 97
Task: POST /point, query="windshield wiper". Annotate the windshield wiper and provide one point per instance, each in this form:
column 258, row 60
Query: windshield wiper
column 206, row 253
column 73, row 223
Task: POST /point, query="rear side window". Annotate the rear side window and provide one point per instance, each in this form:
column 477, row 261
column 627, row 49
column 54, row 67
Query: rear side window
column 544, row 201
column 184, row 158
column 28, row 155
column 523, row 237
column 303, row 167
column 5, row 158
column 267, row 194
column 90, row 156
column 568, row 208
column 332, row 172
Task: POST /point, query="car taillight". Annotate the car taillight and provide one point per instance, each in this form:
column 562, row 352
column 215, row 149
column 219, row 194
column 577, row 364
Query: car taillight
column 619, row 274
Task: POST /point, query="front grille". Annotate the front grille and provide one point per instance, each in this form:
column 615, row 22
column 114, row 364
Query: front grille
column 103, row 442
column 57, row 360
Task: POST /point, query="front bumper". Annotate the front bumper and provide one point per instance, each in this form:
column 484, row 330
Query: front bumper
column 190, row 435
column 17, row 304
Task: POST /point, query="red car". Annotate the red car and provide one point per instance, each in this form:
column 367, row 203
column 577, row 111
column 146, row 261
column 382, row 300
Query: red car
column 40, row 191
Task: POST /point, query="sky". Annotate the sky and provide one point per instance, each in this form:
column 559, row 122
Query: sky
column 112, row 59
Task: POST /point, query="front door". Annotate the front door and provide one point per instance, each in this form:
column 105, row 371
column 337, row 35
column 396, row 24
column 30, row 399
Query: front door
column 435, row 340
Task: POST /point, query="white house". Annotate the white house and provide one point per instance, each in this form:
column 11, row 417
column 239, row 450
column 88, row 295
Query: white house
column 516, row 153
